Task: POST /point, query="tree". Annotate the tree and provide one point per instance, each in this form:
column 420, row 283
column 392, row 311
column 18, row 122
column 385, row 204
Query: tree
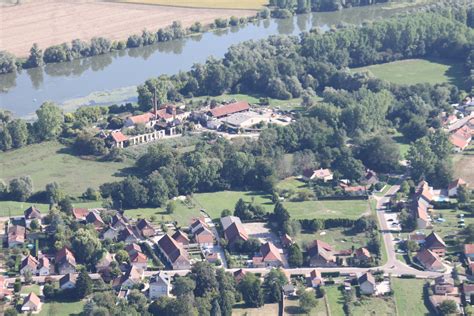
column 280, row 216
column 226, row 287
column 250, row 288
column 49, row 123
column 5, row 138
column 295, row 256
column 53, row 193
column 203, row 274
column 21, row 188
column 216, row 308
column 468, row 234
column 412, row 246
column 157, row 189
column 464, row 194
column 380, row 153
column 170, row 207
column 183, row 286
column 307, row 301
column 448, row 307
column 83, row 285
column 86, row 246
column 121, row 256
column 18, row 132
column 11, row 312
column 36, row 57
column 274, row 280
column 134, row 193
column 138, row 301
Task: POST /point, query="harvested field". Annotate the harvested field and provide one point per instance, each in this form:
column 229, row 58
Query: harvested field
column 50, row 22
column 216, row 4
column 463, row 165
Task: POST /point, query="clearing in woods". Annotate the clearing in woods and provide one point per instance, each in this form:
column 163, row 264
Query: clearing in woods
column 51, row 22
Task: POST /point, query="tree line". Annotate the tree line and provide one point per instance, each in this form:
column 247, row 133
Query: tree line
column 78, row 48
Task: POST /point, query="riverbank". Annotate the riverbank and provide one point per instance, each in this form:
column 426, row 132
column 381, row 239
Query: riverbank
column 53, row 22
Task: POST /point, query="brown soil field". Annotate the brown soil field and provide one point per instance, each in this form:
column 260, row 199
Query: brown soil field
column 50, row 22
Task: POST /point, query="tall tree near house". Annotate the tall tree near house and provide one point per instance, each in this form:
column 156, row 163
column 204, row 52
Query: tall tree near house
column 307, row 301
column 21, row 188
column 83, row 285
column 18, row 132
column 250, row 287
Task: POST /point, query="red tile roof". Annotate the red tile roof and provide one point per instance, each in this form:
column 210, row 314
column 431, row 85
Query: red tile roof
column 141, row 118
column 80, row 213
column 32, row 213
column 138, row 257
column 429, row 259
column 204, row 236
column 270, row 252
column 456, row 183
column 469, row 249
column 229, row 109
column 119, row 137
column 33, row 298
column 458, row 141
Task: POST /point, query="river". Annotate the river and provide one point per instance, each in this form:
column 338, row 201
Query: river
column 22, row 93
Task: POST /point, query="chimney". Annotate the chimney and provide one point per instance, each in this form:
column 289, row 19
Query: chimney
column 155, row 111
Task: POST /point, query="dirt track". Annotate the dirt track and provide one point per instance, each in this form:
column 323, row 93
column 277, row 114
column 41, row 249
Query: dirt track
column 49, row 22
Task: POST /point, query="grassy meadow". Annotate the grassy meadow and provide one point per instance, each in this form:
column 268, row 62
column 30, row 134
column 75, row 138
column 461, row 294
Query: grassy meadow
column 51, row 162
column 409, row 296
column 413, row 71
column 62, row 309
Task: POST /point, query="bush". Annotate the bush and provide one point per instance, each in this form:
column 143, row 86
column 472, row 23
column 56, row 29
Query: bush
column 221, row 23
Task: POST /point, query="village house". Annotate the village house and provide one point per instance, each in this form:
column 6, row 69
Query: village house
column 454, row 186
column 145, row 228
column 119, row 139
column 321, row 254
column 176, row 256
column 289, row 290
column 269, row 257
column 429, row 260
column 212, row 257
column 469, row 251
column 239, row 275
column 367, row 284
column 16, row 236
column 133, row 276
column 181, row 238
column 228, row 109
column 436, row 301
column 468, row 290
column 31, row 304
column 127, row 235
column 119, row 222
column 370, row 178
column 146, row 119
column 4, row 291
column 44, row 267
column 159, row 286
column 233, row 229
column 104, row 263
column 95, row 219
column 29, row 265
column 444, row 285
column 32, row 213
column 196, row 225
column 419, row 238
column 315, row 279
column 80, row 214
column 68, row 281
column 65, row 261
column 133, row 248
column 246, row 120
column 139, row 260
column 204, row 237
column 362, row 255
column 320, row 174
column 111, row 233
column 436, row 244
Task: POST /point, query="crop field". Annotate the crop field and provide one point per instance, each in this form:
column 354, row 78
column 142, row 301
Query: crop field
column 351, row 209
column 413, row 71
column 463, row 163
column 50, row 162
column 336, row 237
column 51, row 22
column 215, row 4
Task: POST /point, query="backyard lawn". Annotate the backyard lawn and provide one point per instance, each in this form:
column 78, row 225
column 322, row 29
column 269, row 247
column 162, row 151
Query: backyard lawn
column 374, row 306
column 409, row 296
column 267, row 309
column 13, row 208
column 50, row 162
column 413, row 71
column 335, row 299
column 27, row 289
column 351, row 209
column 336, row 237
column 463, row 163
column 62, row 308
column 292, row 308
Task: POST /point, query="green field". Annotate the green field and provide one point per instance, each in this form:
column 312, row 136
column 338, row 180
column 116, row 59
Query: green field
column 351, row 209
column 409, row 296
column 50, row 162
column 267, row 309
column 374, row 306
column 62, row 308
column 413, row 71
column 214, row 203
column 335, row 299
column 27, row 289
column 12, row 208
column 463, row 163
column 292, row 308
column 336, row 237
column 214, row 4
